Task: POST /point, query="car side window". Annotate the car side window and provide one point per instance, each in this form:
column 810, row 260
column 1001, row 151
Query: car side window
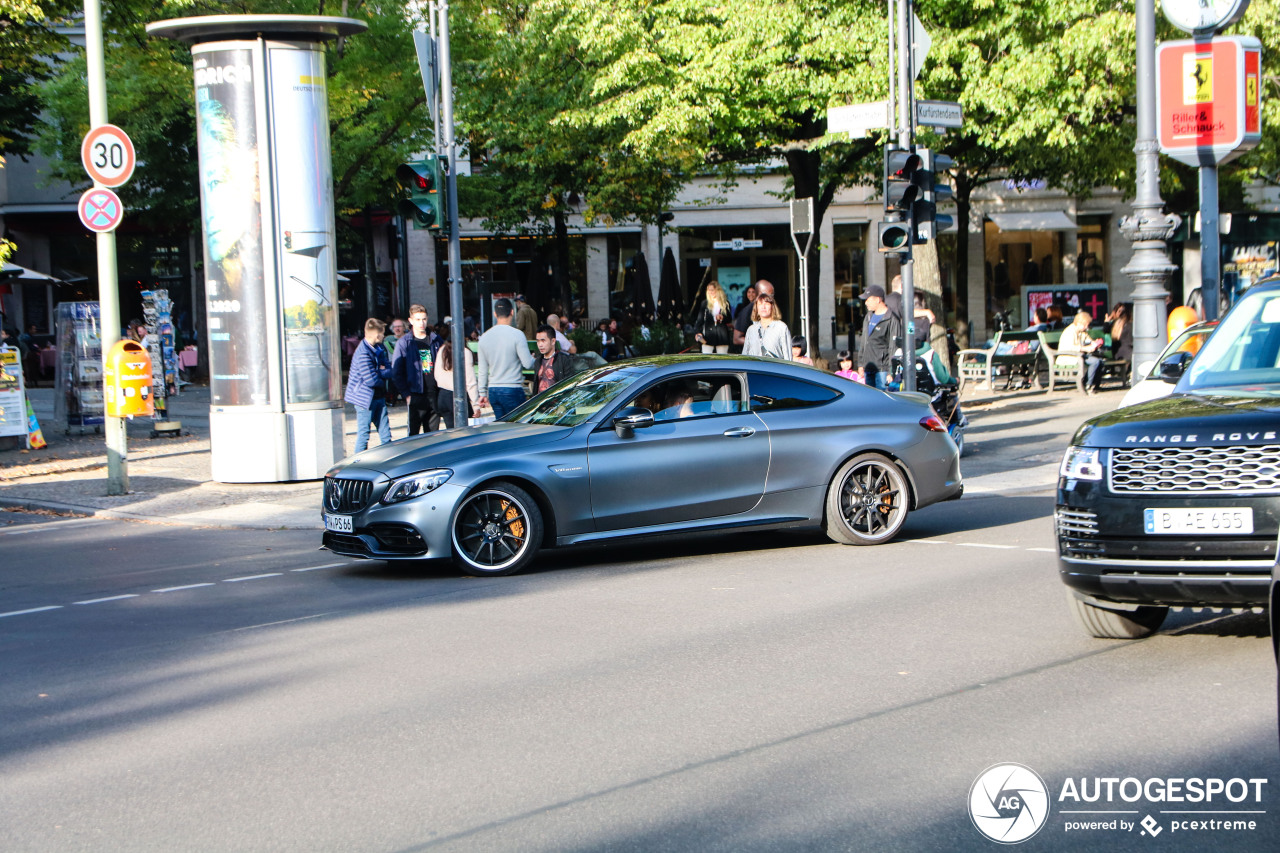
column 770, row 393
column 695, row 396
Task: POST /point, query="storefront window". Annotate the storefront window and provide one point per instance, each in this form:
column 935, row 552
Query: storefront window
column 850, row 276
column 1091, row 249
column 737, row 262
column 1015, row 259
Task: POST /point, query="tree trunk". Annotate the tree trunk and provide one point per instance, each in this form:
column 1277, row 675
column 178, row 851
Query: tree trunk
column 805, row 167
column 561, row 265
column 963, row 191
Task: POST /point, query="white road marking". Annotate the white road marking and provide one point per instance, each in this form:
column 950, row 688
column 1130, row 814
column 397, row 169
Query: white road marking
column 325, row 566
column 251, row 577
column 177, row 588
column 984, row 545
column 112, row 598
column 1045, row 550
column 932, row 541
column 32, row 610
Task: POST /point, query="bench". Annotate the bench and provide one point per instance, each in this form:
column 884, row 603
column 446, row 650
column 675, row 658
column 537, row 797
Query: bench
column 1012, row 355
column 1070, row 367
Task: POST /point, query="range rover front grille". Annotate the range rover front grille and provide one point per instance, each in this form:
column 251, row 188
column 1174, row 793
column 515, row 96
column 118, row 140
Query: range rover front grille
column 1195, row 470
column 346, row 496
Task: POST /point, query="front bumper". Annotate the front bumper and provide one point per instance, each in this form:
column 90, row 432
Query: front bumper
column 1104, row 551
column 415, row 529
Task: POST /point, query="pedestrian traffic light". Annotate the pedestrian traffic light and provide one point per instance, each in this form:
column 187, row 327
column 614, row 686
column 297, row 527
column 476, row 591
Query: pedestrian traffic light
column 895, row 234
column 422, row 183
column 930, row 223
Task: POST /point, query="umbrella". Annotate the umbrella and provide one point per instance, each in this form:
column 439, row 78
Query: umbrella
column 640, row 290
column 670, row 297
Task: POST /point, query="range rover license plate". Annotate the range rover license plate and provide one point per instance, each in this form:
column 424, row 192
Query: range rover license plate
column 338, row 523
column 1221, row 521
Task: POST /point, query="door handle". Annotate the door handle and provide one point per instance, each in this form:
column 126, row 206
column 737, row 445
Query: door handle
column 739, row 432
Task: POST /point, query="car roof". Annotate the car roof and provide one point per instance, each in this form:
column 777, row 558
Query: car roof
column 671, row 363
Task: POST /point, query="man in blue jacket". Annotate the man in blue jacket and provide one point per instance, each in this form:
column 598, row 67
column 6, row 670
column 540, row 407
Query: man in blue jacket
column 367, row 385
column 413, row 370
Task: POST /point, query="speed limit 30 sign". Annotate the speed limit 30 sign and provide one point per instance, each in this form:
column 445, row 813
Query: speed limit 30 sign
column 107, row 155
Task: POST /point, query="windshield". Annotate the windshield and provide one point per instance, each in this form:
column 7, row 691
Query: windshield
column 578, row 398
column 1244, row 350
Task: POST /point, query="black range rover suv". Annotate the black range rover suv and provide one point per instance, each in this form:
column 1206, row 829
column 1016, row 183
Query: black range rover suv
column 1177, row 501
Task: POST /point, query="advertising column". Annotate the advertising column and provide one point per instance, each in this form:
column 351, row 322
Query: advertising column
column 266, row 195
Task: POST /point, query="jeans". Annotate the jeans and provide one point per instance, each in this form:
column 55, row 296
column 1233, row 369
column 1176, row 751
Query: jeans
column 505, row 400
column 875, row 378
column 1093, row 371
column 376, row 413
column 444, row 405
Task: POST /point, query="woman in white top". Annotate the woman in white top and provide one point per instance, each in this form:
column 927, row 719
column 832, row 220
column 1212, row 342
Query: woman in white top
column 1076, row 339
column 443, row 372
column 768, row 335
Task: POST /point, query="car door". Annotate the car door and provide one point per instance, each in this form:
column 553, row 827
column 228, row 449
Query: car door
column 706, row 455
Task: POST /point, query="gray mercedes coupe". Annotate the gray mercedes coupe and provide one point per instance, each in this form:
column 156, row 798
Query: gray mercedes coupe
column 648, row 447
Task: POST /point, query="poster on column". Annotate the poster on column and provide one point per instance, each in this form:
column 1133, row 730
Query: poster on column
column 304, row 211
column 230, row 201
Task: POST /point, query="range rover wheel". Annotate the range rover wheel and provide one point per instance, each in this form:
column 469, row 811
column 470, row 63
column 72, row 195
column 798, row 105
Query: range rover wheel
column 1106, row 624
column 867, row 501
column 497, row 531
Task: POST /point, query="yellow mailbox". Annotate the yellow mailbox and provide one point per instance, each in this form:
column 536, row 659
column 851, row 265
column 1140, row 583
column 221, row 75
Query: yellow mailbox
column 127, row 381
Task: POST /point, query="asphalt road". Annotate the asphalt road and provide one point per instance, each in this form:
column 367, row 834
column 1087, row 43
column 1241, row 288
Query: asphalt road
column 174, row 689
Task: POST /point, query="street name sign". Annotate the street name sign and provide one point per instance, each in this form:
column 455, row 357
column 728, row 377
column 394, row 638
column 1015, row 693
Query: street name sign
column 100, row 210
column 939, row 114
column 857, row 119
column 1208, row 95
column 107, row 155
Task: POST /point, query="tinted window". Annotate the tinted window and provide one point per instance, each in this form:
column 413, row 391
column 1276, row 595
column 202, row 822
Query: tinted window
column 691, row 397
column 769, row 393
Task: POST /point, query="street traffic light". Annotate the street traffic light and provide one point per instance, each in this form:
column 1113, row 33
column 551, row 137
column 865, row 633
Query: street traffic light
column 422, row 183
column 929, row 223
column 900, row 192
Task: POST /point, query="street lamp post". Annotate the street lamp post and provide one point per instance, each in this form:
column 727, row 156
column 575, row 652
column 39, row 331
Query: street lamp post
column 1149, row 228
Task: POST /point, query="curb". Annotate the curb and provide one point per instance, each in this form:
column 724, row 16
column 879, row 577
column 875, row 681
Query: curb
column 124, row 515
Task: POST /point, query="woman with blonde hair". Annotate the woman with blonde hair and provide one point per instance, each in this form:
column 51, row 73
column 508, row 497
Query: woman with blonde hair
column 714, row 326
column 1076, row 339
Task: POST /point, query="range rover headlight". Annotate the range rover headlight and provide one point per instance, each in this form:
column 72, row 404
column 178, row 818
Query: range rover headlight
column 1082, row 463
column 416, row 485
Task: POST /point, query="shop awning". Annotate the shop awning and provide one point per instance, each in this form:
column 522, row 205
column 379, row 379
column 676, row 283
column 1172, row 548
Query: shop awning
column 1036, row 220
column 13, row 272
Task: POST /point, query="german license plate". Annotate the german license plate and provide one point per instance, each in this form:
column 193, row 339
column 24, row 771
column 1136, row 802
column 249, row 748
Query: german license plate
column 1222, row 521
column 338, row 523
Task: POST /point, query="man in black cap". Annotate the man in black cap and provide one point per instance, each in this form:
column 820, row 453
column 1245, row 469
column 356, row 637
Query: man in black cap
column 881, row 335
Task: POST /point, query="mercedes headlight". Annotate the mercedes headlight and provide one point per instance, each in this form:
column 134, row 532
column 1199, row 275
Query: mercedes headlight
column 416, row 485
column 1082, row 463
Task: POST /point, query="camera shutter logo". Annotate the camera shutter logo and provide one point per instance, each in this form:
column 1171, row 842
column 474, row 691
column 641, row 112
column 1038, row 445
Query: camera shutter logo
column 1008, row 803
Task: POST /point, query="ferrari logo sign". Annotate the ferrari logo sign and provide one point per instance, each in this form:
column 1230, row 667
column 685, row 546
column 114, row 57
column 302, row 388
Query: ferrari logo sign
column 1197, row 79
column 1208, row 95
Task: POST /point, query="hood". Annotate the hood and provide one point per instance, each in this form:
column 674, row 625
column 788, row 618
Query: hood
column 448, row 448
column 1187, row 420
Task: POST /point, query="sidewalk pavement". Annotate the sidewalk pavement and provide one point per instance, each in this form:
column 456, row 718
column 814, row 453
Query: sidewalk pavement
column 1013, row 446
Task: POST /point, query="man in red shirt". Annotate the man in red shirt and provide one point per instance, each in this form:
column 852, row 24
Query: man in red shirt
column 550, row 366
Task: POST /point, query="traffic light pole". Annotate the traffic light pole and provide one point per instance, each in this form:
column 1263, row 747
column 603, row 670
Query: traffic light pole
column 906, row 141
column 457, row 339
column 108, row 285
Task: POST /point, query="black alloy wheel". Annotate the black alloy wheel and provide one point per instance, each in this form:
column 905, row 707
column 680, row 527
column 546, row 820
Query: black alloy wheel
column 496, row 531
column 867, row 501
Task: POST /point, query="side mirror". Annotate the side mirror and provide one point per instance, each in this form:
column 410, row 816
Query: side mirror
column 630, row 419
column 1172, row 368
